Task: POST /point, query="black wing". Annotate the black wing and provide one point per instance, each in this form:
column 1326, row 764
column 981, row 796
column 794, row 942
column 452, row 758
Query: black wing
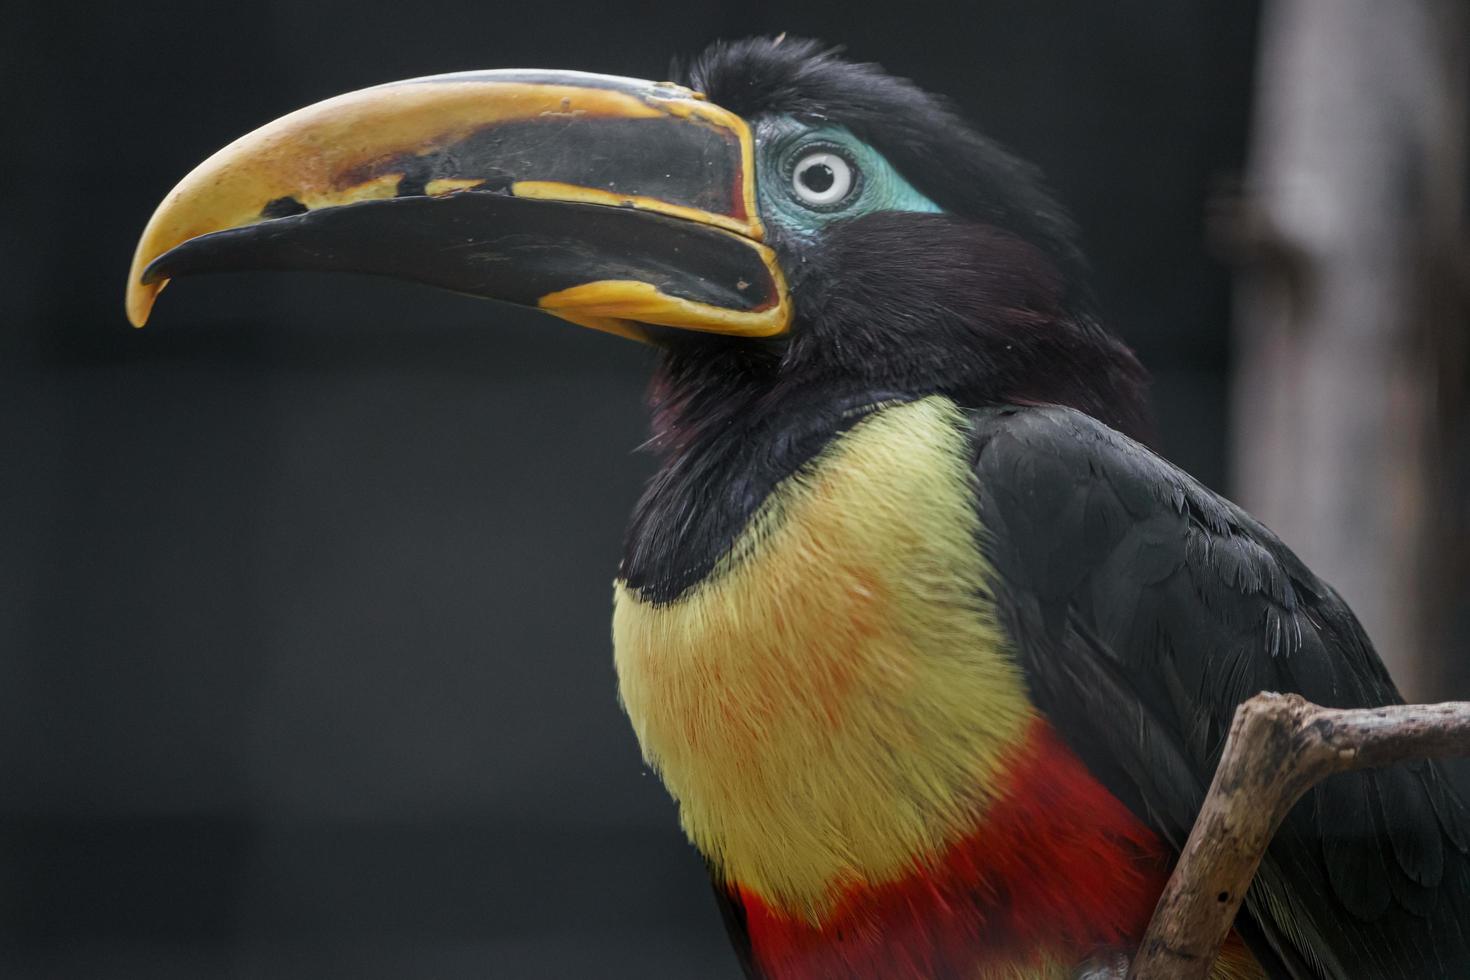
column 1144, row 608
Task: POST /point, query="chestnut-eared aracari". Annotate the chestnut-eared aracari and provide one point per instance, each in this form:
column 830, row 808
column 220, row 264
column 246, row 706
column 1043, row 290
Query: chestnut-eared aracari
column 934, row 653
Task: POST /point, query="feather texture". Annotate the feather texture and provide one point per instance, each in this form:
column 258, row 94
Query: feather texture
column 843, row 721
column 1140, row 634
column 833, row 702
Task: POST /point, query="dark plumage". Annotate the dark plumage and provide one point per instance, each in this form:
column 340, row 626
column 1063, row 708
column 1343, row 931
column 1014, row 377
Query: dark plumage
column 989, row 299
column 987, row 303
column 973, row 176
column 1144, row 608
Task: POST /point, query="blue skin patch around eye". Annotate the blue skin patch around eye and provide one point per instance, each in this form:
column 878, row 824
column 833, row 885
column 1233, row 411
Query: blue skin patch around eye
column 783, row 142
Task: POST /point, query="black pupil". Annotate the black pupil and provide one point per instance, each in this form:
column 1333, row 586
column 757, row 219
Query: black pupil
column 818, row 177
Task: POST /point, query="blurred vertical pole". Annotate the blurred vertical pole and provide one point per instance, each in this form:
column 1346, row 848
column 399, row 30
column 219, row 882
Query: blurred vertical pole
column 1350, row 405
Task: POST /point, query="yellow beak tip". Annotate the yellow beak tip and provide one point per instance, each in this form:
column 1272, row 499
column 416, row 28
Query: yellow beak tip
column 140, row 301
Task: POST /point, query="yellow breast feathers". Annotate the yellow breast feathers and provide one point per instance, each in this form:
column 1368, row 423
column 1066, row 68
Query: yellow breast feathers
column 830, row 705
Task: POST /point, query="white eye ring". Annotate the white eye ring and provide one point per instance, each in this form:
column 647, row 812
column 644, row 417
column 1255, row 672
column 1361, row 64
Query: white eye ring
column 821, row 179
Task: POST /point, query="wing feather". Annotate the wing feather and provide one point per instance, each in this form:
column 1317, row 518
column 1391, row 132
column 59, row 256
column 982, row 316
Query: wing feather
column 1144, row 608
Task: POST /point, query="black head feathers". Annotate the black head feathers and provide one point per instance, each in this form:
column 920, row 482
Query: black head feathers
column 986, row 303
column 919, row 133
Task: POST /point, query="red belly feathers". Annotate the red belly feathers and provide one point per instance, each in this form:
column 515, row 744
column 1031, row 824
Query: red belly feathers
column 1056, row 871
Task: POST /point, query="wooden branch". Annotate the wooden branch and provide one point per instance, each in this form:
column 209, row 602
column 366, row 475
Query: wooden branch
column 1278, row 748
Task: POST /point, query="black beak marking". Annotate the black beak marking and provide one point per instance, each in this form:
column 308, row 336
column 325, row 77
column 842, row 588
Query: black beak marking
column 283, row 207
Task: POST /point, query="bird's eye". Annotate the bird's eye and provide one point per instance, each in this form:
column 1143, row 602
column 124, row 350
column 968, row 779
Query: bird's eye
column 821, row 179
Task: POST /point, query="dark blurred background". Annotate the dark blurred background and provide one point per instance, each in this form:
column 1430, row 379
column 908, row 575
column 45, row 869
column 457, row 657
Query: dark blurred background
column 304, row 590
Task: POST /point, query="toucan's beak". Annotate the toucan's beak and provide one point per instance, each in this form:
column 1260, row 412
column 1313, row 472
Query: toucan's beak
column 610, row 202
